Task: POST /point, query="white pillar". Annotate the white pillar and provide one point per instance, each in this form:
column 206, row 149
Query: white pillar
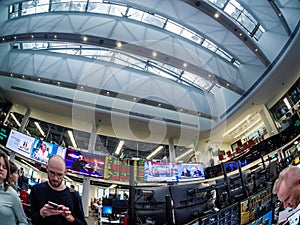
column 85, row 195
column 171, row 151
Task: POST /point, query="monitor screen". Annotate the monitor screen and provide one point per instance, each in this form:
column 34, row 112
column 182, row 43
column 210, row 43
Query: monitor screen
column 107, row 210
column 4, row 134
column 33, row 148
column 41, row 151
column 160, row 171
column 190, row 171
column 85, row 163
column 20, row 143
column 119, row 206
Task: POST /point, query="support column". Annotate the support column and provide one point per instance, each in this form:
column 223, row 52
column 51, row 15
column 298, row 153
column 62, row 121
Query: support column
column 86, row 181
column 85, row 195
column 25, row 120
column 12, row 156
column 268, row 121
column 171, row 150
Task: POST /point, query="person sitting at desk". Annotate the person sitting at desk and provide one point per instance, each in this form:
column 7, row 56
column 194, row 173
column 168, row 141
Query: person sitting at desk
column 197, row 172
column 186, row 173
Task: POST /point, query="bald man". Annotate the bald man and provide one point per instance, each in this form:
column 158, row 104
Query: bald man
column 287, row 187
column 67, row 207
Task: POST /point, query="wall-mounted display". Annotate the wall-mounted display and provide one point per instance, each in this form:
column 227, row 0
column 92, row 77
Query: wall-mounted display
column 160, row 171
column 85, row 163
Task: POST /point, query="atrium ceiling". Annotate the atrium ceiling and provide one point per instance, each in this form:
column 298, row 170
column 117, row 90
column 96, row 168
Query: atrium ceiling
column 152, row 71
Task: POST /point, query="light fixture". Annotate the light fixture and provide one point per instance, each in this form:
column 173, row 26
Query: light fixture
column 286, row 102
column 242, row 121
column 154, row 54
column 217, row 15
column 112, row 186
column 71, row 136
column 85, row 38
column 119, row 44
column 184, row 154
column 119, row 148
column 154, row 152
column 244, row 131
column 15, row 119
column 39, row 128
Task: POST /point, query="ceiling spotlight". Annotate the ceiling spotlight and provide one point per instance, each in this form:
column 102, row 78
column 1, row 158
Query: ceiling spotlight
column 185, row 65
column 119, row 44
column 3, row 39
column 32, row 36
column 107, row 92
column 55, row 36
column 85, row 38
column 154, row 54
column 15, row 37
column 217, row 15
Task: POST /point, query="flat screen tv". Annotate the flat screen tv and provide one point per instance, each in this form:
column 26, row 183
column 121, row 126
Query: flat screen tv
column 4, row 134
column 85, row 163
column 160, row 171
column 41, row 151
column 20, row 143
column 190, row 171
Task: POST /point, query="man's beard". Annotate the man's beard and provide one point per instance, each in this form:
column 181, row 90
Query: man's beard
column 56, row 184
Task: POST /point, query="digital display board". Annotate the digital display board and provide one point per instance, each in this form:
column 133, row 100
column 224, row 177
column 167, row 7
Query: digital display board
column 160, row 171
column 20, row 143
column 190, row 171
column 41, row 151
column 4, row 134
column 33, row 148
column 85, row 163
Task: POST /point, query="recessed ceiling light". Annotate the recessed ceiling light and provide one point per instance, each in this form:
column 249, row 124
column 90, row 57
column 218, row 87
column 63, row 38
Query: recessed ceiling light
column 107, row 92
column 39, row 79
column 256, row 49
column 15, row 37
column 185, row 65
column 154, row 54
column 119, row 44
column 58, row 83
column 217, row 15
column 241, row 34
column 227, row 85
column 32, row 36
column 3, row 39
column 84, row 38
column 55, row 36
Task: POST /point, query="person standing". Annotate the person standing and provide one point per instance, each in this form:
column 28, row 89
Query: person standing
column 69, row 208
column 11, row 211
column 14, row 175
column 287, row 187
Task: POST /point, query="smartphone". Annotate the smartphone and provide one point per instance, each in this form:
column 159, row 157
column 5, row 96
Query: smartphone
column 54, row 205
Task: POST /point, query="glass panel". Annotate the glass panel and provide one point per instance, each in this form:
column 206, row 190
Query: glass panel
column 77, row 6
column 135, row 14
column 191, row 36
column 98, row 7
column 246, row 22
column 117, row 10
column 173, row 27
column 209, row 45
column 219, row 3
column 232, row 11
column 60, row 6
column 154, row 20
column 223, row 54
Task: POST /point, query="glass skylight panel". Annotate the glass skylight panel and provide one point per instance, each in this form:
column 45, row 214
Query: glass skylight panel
column 117, row 10
column 219, row 3
column 98, row 7
column 188, row 34
column 154, row 20
column 34, row 45
column 78, row 6
column 203, row 83
column 173, row 27
column 209, row 45
column 135, row 14
column 224, row 55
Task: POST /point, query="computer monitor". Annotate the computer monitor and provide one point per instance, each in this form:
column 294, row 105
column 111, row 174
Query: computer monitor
column 107, row 210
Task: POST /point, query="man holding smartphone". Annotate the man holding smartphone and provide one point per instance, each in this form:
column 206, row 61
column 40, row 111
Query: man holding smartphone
column 52, row 202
